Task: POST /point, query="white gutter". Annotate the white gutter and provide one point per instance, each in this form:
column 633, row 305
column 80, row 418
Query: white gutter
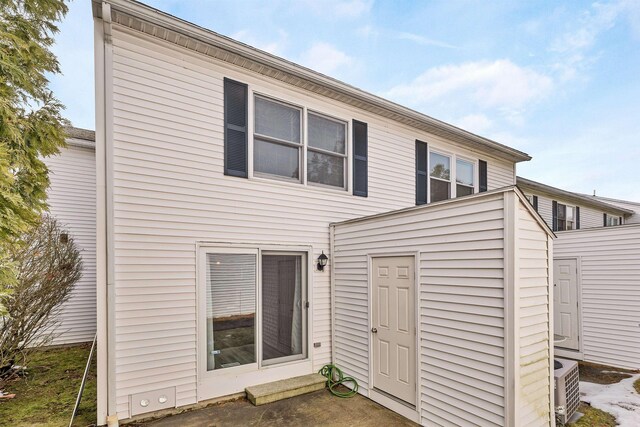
column 82, row 143
column 106, row 392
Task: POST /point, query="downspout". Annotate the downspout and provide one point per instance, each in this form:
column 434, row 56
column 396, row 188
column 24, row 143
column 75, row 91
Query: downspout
column 332, row 254
column 106, row 402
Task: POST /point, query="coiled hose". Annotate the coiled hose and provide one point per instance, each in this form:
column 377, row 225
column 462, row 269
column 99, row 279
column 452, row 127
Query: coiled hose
column 335, row 377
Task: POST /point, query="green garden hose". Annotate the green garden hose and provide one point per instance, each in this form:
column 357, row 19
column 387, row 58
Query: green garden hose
column 335, row 377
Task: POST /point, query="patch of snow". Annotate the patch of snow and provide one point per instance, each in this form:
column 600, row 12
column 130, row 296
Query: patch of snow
column 619, row 399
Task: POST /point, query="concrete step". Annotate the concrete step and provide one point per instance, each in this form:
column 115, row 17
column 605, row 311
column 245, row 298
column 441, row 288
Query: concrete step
column 284, row 389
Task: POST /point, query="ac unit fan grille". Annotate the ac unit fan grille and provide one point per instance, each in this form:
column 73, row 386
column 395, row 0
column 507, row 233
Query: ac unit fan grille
column 572, row 384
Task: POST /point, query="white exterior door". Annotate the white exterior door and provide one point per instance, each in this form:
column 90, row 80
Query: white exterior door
column 393, row 327
column 565, row 302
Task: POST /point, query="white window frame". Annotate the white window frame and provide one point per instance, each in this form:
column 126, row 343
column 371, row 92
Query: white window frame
column 573, row 220
column 345, row 156
column 610, row 219
column 452, row 173
column 474, row 165
column 303, row 146
column 451, row 157
column 299, row 146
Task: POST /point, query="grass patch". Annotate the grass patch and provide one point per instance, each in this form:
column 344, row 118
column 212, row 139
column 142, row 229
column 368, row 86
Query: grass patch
column 47, row 394
column 636, row 385
column 601, row 374
column 593, row 418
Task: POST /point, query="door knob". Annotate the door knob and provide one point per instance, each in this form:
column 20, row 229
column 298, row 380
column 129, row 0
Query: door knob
column 374, row 330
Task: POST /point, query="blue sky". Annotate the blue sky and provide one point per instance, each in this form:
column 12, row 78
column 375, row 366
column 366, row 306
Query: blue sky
column 558, row 80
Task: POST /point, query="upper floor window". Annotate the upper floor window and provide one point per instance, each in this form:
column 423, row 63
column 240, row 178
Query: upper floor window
column 326, row 151
column 612, row 220
column 435, row 172
column 277, row 142
column 279, row 146
column 465, row 178
column 290, row 143
column 566, row 217
column 440, row 177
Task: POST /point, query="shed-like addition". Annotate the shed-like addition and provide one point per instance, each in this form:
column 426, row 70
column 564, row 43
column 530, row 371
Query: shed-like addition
column 442, row 312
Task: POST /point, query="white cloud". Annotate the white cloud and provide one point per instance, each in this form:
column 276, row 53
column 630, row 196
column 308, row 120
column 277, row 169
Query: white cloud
column 574, row 46
column 325, row 58
column 601, row 18
column 425, row 41
column 274, row 47
column 500, row 85
column 340, row 8
column 353, row 8
column 367, row 31
column 476, row 123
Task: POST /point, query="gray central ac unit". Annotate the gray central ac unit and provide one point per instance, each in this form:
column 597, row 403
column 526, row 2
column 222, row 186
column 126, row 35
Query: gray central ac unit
column 567, row 386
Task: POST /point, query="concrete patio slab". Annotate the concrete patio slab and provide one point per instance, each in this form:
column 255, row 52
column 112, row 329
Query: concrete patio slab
column 319, row 408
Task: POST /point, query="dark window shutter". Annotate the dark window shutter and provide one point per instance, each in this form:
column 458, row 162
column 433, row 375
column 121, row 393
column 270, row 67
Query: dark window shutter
column 482, row 165
column 554, row 215
column 620, row 223
column 422, row 175
column 235, row 128
column 604, row 219
column 577, row 217
column 535, row 203
column 360, row 159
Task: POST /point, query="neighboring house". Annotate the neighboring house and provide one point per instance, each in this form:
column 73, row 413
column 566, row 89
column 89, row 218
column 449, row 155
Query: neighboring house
column 219, row 171
column 72, row 201
column 596, row 274
column 625, row 204
column 563, row 210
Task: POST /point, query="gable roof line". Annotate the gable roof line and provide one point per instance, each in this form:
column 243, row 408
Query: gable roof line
column 575, row 197
column 80, row 137
column 141, row 17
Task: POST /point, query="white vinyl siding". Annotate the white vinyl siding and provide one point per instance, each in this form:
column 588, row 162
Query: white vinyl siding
column 609, row 276
column 461, row 306
column 72, row 201
column 533, row 261
column 170, row 192
column 634, row 206
column 589, row 217
column 500, row 173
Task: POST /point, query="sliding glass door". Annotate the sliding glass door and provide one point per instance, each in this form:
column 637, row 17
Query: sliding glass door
column 254, row 311
column 284, row 320
column 231, row 309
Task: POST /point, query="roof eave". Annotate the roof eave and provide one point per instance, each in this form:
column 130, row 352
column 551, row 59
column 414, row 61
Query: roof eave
column 568, row 195
column 380, row 105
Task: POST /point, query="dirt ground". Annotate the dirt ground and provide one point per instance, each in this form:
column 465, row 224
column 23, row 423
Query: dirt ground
column 601, row 374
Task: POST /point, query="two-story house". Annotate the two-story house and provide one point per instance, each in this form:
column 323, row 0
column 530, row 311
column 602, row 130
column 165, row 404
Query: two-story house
column 596, row 273
column 220, row 168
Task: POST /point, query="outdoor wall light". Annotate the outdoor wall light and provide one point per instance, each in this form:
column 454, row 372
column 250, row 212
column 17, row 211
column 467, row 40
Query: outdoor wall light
column 322, row 261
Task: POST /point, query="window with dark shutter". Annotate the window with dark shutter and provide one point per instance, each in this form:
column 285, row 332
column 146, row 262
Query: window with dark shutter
column 482, row 180
column 235, row 128
column 554, row 215
column 360, row 159
column 422, row 154
column 535, row 203
column 604, row 219
column 577, row 217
